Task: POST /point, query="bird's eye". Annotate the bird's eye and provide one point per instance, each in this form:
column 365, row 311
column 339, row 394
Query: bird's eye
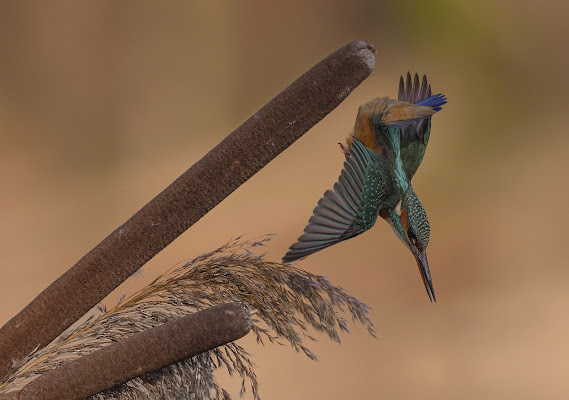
column 412, row 237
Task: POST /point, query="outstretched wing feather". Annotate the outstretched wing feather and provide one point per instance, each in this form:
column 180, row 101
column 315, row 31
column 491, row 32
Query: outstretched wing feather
column 335, row 217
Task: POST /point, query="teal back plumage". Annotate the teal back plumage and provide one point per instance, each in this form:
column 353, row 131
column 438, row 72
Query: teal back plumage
column 415, row 136
column 389, row 139
column 413, row 146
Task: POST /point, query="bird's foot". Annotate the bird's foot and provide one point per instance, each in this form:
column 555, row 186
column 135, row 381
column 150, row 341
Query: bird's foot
column 345, row 149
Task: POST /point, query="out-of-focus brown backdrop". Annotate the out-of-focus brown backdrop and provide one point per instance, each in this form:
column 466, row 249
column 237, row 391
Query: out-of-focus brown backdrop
column 102, row 104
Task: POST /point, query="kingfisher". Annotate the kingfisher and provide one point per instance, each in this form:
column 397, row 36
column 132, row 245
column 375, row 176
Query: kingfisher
column 383, row 152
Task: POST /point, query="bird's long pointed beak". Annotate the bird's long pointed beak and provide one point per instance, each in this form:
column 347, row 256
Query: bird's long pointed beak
column 423, row 265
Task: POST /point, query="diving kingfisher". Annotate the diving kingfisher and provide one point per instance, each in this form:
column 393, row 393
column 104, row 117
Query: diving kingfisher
column 382, row 153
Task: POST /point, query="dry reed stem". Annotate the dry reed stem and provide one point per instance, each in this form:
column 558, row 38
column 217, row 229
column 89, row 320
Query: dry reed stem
column 287, row 303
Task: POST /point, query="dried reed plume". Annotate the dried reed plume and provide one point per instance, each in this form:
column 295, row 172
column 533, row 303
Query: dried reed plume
column 288, row 302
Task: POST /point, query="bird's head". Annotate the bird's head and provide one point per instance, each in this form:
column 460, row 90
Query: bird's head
column 409, row 222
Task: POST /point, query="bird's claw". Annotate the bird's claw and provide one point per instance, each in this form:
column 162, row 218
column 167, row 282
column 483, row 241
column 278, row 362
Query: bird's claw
column 345, row 149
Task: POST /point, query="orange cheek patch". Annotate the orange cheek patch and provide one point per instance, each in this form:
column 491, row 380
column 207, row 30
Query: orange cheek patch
column 404, row 221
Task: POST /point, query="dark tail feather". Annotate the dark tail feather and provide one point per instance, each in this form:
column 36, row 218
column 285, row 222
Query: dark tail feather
column 424, row 88
column 411, row 91
column 416, row 89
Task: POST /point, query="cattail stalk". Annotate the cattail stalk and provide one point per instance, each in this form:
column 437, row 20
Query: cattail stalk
column 238, row 157
column 139, row 354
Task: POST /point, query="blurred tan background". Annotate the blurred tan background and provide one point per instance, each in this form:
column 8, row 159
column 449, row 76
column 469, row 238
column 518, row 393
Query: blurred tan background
column 103, row 104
